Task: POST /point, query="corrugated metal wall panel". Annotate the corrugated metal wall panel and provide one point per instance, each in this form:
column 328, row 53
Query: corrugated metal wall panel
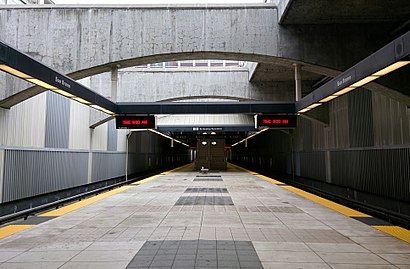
column 57, row 121
column 361, row 118
column 1, row 173
column 122, row 140
column 32, row 172
column 108, row 165
column 100, row 134
column 319, row 136
column 339, row 123
column 306, row 132
column 380, row 171
column 312, row 165
column 79, row 126
column 112, row 136
column 23, row 125
column 391, row 121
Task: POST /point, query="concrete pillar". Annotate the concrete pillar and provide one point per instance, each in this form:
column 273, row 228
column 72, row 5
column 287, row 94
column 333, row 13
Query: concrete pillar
column 298, row 82
column 114, row 84
column 90, row 157
column 1, row 173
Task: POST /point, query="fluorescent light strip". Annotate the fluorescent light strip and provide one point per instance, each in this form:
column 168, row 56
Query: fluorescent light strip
column 345, row 90
column 166, row 136
column 41, row 84
column 391, row 68
column 360, row 83
column 81, row 100
column 14, row 72
column 327, row 99
column 304, row 110
column 314, row 105
column 249, row 137
column 66, row 94
column 364, row 81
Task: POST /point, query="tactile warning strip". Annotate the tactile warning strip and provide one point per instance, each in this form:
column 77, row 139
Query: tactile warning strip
column 204, row 200
column 208, row 179
column 206, row 190
column 196, row 254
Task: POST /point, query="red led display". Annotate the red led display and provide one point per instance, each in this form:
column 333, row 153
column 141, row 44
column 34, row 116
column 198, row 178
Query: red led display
column 135, row 122
column 276, row 121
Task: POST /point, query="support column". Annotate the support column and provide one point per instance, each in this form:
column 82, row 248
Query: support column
column 1, row 174
column 114, row 84
column 90, row 157
column 298, row 82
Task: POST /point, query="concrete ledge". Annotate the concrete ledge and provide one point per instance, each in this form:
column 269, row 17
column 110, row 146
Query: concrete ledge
column 158, row 6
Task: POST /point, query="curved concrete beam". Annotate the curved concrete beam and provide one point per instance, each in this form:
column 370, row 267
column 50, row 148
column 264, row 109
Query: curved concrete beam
column 85, row 40
column 183, row 98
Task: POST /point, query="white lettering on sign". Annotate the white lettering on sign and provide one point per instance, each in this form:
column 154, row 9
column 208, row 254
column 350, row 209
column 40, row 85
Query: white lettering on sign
column 343, row 81
column 62, row 82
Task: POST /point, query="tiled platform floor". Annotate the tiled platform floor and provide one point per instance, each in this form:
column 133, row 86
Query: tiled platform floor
column 146, row 227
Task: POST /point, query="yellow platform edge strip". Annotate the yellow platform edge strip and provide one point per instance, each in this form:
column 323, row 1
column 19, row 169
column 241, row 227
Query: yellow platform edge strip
column 327, row 203
column 160, row 174
column 12, row 229
column 69, row 208
column 395, row 231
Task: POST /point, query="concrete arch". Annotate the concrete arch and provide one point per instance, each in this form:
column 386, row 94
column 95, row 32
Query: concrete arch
column 85, row 40
column 188, row 98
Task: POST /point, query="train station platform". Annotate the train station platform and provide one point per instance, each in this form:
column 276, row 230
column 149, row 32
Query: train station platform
column 185, row 219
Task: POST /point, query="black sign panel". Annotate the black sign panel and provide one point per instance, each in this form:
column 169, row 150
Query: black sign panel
column 276, row 121
column 135, row 122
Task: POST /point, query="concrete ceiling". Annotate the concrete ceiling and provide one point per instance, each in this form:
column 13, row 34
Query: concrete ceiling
column 346, row 11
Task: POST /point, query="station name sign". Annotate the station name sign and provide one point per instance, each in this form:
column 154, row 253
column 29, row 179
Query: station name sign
column 135, row 122
column 276, row 121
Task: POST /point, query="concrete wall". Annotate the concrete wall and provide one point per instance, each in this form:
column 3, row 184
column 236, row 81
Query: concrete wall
column 83, row 41
column 151, row 85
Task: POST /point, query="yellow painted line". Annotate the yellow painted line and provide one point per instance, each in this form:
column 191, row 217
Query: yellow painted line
column 244, row 169
column 145, row 180
column 12, row 229
column 175, row 169
column 160, row 174
column 67, row 209
column 271, row 180
column 395, row 231
column 329, row 204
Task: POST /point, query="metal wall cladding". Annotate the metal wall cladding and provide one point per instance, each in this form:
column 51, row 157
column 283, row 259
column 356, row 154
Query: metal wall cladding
column 338, row 131
column 361, row 119
column 112, row 136
column 57, row 121
column 312, row 165
column 107, row 165
column 24, row 124
column 384, row 172
column 32, row 172
column 391, row 121
column 79, row 126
